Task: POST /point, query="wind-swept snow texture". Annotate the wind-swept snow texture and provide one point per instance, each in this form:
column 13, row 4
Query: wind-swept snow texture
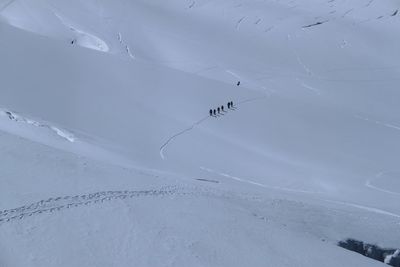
column 108, row 152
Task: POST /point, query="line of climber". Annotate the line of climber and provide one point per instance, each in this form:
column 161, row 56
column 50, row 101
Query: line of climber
column 219, row 110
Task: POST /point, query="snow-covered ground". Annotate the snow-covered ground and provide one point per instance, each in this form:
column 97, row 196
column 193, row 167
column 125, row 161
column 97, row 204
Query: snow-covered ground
column 110, row 158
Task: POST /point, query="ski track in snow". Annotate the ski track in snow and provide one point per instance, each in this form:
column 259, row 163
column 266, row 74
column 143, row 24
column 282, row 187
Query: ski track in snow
column 347, row 12
column 349, row 204
column 370, row 209
column 164, row 146
column 68, row 202
column 233, row 74
column 256, row 183
column 369, row 184
column 300, row 61
column 387, row 125
column 17, row 118
column 304, row 66
column 312, row 89
column 239, row 22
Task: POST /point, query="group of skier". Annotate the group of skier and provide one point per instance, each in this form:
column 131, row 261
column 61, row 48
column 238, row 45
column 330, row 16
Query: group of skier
column 216, row 111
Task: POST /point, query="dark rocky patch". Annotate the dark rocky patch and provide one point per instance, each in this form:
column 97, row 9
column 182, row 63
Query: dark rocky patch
column 387, row 255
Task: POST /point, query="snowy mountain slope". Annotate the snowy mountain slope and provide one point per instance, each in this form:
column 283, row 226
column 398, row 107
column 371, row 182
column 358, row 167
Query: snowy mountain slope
column 315, row 124
column 94, row 218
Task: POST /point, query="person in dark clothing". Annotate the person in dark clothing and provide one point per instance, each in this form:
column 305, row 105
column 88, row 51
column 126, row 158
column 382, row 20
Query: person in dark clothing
column 215, row 112
column 229, row 104
column 211, row 112
column 218, row 110
column 238, row 83
column 222, row 108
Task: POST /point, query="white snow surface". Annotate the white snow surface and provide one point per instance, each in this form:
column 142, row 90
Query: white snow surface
column 110, row 158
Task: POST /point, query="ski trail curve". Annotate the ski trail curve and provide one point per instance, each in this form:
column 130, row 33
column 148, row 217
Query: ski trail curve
column 366, row 208
column 239, row 179
column 233, row 74
column 348, row 204
column 381, row 123
column 369, row 184
column 164, row 146
column 239, row 22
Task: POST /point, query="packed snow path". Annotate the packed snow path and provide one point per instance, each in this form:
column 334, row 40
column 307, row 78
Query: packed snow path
column 164, row 146
column 55, row 204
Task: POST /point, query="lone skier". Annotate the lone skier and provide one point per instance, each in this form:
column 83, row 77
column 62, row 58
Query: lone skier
column 238, row 83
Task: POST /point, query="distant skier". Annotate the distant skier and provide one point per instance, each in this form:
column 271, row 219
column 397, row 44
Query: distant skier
column 238, row 83
column 215, row 112
column 222, row 108
column 211, row 112
column 73, row 41
column 218, row 110
column 229, row 104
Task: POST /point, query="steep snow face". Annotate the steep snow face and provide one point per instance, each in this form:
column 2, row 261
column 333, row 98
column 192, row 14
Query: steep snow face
column 18, row 118
column 309, row 151
column 315, row 99
column 42, row 17
column 62, row 203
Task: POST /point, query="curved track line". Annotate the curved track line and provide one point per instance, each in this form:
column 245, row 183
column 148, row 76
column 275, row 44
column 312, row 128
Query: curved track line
column 162, row 148
column 309, row 87
column 381, row 123
column 369, row 184
column 256, row 183
column 239, row 22
column 370, row 209
column 349, row 204
column 233, row 74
